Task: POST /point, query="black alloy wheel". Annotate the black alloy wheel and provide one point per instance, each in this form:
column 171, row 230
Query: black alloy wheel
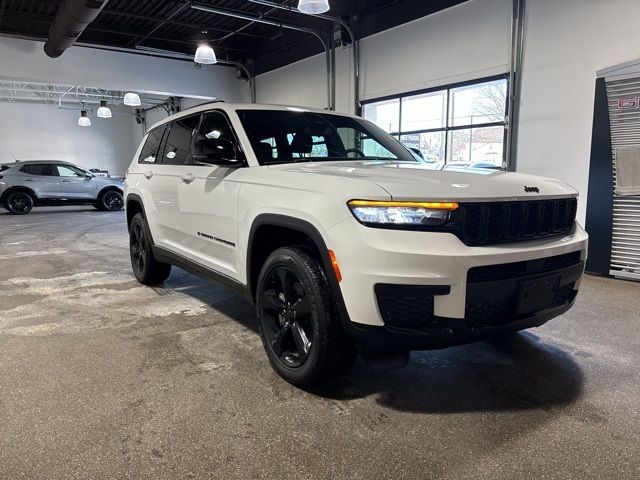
column 286, row 311
column 19, row 203
column 138, row 248
column 112, row 201
column 146, row 268
column 297, row 318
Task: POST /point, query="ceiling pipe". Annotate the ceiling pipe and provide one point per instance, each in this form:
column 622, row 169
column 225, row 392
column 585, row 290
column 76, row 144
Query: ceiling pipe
column 280, row 24
column 257, row 19
column 70, row 22
column 243, row 28
column 354, row 41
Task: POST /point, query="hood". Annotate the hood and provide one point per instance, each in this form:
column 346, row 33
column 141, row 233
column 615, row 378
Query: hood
column 414, row 181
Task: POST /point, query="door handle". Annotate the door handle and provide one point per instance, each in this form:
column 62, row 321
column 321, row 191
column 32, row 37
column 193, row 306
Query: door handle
column 149, row 174
column 188, row 178
column 29, row 180
column 66, row 181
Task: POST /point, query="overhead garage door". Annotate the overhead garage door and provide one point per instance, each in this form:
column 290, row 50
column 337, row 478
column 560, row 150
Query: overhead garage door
column 624, row 111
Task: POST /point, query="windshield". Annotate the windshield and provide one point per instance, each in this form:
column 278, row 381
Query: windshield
column 279, row 136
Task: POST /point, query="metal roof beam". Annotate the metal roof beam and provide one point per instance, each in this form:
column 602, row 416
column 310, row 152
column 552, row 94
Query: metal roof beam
column 183, row 24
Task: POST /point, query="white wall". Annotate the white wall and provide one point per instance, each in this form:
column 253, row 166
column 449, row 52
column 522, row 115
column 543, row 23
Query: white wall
column 566, row 43
column 427, row 52
column 26, row 61
column 37, row 131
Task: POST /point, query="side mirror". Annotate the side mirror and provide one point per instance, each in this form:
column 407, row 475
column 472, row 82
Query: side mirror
column 417, row 153
column 216, row 151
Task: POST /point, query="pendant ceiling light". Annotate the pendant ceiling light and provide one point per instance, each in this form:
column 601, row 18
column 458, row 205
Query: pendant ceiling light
column 84, row 121
column 313, row 7
column 104, row 111
column 205, row 55
column 132, row 99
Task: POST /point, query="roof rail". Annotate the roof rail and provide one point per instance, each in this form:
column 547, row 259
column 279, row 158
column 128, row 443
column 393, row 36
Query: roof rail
column 204, row 103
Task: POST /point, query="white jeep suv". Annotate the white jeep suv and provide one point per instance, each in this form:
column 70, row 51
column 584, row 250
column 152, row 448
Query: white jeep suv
column 343, row 239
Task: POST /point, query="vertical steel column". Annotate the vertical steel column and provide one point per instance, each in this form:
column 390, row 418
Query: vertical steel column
column 357, row 109
column 252, row 88
column 332, row 49
column 515, row 81
column 327, row 54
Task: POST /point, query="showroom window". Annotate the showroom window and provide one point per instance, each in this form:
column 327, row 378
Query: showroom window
column 457, row 124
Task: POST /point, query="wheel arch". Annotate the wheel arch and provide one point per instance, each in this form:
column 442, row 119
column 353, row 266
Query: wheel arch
column 18, row 188
column 133, row 205
column 109, row 188
column 299, row 230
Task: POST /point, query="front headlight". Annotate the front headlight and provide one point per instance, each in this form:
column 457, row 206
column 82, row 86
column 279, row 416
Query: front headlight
column 427, row 214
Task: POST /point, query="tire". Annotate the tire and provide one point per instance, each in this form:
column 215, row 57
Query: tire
column 146, row 268
column 19, row 203
column 503, row 337
column 110, row 201
column 298, row 320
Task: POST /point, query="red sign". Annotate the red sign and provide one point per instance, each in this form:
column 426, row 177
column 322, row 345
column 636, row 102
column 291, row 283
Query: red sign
column 629, row 102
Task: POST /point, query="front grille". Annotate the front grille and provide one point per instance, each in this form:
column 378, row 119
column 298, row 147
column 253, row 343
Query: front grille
column 505, row 222
column 492, row 273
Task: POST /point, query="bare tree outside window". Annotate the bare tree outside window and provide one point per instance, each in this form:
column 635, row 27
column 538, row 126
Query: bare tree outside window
column 462, row 124
column 492, row 102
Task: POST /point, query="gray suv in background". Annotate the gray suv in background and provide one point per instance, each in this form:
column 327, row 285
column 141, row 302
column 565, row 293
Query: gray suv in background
column 28, row 184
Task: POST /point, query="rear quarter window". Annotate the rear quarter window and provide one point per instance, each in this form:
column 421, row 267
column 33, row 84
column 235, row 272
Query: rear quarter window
column 3, row 168
column 149, row 152
column 40, row 169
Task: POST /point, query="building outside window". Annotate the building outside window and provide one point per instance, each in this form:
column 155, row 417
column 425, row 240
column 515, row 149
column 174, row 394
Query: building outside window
column 458, row 124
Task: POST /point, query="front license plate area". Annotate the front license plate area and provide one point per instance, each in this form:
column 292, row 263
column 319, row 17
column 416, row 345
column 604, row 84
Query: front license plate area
column 538, row 294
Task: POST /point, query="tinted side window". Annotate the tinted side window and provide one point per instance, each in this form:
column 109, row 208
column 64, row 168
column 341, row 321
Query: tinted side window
column 3, row 168
column 178, row 147
column 149, row 152
column 42, row 169
column 215, row 126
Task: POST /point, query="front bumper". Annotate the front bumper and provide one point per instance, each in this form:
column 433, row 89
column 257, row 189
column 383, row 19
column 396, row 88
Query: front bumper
column 370, row 258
